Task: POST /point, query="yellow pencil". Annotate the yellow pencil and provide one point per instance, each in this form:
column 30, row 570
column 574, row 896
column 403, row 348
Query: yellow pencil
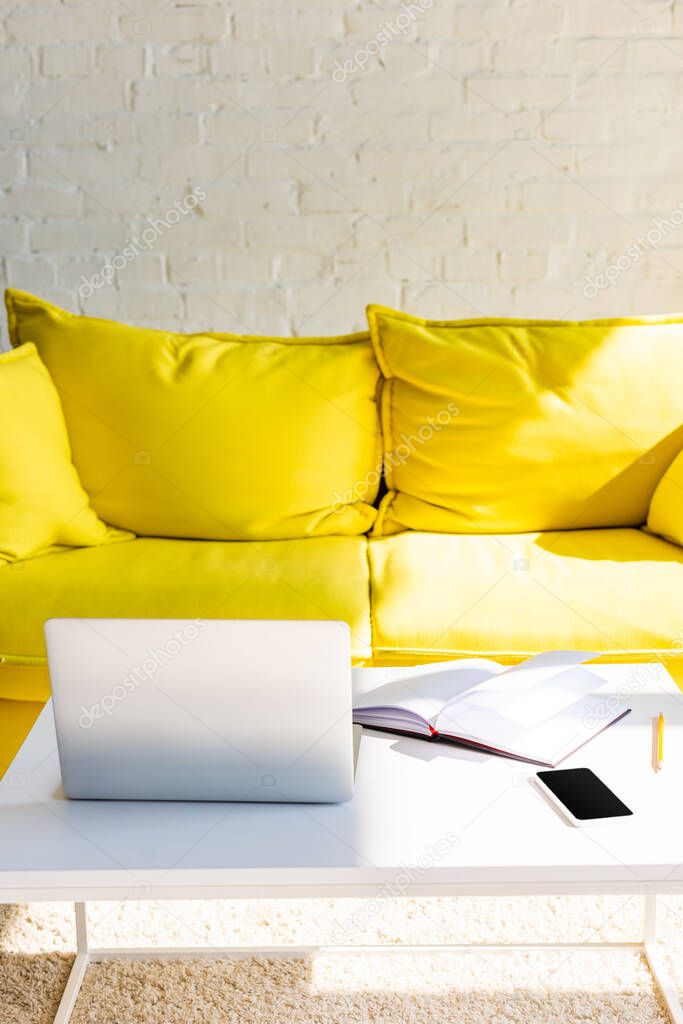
column 660, row 741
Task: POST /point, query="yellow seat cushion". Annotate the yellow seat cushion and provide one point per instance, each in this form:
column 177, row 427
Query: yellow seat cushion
column 16, row 719
column 314, row 578
column 436, row 596
column 42, row 503
column 509, row 426
column 213, row 436
column 666, row 508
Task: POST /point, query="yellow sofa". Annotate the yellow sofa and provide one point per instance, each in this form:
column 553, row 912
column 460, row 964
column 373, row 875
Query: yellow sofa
column 446, row 488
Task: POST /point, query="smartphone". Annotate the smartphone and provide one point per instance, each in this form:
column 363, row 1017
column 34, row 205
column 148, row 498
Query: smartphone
column 581, row 797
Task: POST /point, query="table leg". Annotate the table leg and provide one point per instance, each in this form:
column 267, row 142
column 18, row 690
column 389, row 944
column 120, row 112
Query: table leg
column 78, row 969
column 85, row 956
column 655, row 960
column 81, row 911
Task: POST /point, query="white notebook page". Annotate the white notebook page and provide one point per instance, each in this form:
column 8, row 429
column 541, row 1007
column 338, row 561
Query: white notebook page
column 427, row 695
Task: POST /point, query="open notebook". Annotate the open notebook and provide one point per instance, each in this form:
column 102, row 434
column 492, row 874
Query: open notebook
column 540, row 711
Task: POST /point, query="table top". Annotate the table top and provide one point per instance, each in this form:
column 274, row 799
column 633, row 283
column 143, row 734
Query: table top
column 426, row 818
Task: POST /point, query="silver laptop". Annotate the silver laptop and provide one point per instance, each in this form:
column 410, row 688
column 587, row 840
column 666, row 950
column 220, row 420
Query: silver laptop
column 202, row 709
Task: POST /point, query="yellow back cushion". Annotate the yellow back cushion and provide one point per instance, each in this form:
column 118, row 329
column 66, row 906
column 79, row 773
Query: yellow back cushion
column 516, row 426
column 42, row 503
column 213, row 436
column 666, row 508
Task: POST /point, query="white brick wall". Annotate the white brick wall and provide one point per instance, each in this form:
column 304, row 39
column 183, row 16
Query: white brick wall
column 482, row 158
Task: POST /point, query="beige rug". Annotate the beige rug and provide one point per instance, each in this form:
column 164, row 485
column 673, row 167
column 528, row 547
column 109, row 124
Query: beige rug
column 469, row 988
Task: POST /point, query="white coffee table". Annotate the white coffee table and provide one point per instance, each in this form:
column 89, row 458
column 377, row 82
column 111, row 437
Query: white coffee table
column 426, row 820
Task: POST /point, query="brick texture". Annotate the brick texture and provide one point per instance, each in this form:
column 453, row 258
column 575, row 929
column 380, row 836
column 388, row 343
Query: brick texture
column 520, row 158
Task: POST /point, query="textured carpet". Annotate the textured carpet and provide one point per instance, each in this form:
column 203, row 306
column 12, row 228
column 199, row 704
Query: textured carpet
column 468, row 988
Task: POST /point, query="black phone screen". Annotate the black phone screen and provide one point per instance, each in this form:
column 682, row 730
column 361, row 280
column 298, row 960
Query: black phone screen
column 584, row 794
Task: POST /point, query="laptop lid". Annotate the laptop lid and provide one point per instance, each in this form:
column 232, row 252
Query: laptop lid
column 202, row 709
